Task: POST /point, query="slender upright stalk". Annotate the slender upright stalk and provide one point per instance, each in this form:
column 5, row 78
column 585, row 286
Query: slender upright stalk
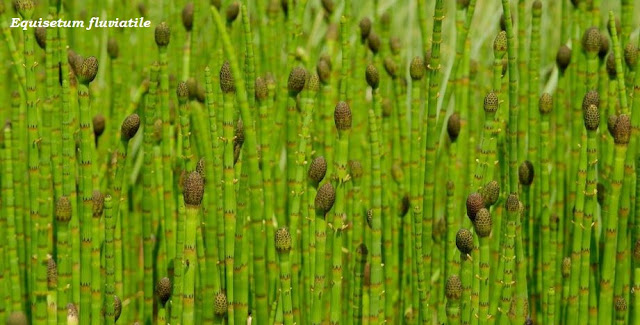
column 228, row 89
column 162, row 37
column 373, row 80
column 513, row 100
column 591, row 122
column 193, row 193
column 109, row 266
column 545, row 105
column 324, row 200
column 13, row 257
column 177, row 295
column 283, row 246
column 86, row 72
column 149, row 118
column 464, row 243
column 432, row 139
column 621, row 137
column 453, row 292
column 163, row 294
column 483, row 225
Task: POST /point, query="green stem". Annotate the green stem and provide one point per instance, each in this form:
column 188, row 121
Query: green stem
column 109, row 253
column 513, row 101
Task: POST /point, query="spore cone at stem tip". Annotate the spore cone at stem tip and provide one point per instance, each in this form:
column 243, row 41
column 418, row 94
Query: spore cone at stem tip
column 416, row 69
column 183, row 92
column 453, row 126
column 313, row 83
column 390, row 67
column 592, row 118
column 262, row 91
column 591, row 98
column 117, row 307
column 491, row 193
column 365, row 28
column 163, row 290
column 526, row 173
column 220, row 304
column 75, row 60
column 453, row 287
column 99, row 123
column 545, row 104
column 41, row 37
column 342, row 116
column 620, row 304
column 52, row 272
column 631, row 56
column 283, row 240
column 491, row 102
column 355, row 169
column 591, row 41
column 63, row 209
column 297, row 80
column 537, row 7
column 474, row 204
column 317, row 170
column 113, row 50
column 563, row 57
column 232, row 12
column 98, row 203
column 622, row 130
column 88, row 70
column 162, row 34
column 193, row 189
column 130, row 127
column 25, row 8
column 372, row 76
column 513, row 203
column 227, row 82
column 464, row 241
column 374, row 42
column 323, row 68
column 325, row 197
column 483, row 222
column 187, row 16
column 611, row 66
column 500, row 44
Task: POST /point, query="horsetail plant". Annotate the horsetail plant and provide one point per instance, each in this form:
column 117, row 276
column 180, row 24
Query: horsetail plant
column 324, row 200
column 259, row 150
column 228, row 89
column 591, row 122
column 283, row 246
column 343, row 121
